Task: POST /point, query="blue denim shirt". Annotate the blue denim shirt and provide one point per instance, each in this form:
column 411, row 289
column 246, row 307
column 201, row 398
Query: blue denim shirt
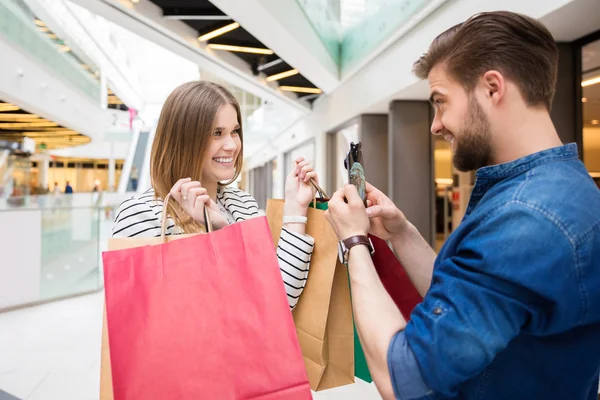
column 513, row 311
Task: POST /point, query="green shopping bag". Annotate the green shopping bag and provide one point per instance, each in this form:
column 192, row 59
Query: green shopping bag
column 361, row 370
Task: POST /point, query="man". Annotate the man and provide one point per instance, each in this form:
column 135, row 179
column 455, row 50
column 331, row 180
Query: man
column 511, row 306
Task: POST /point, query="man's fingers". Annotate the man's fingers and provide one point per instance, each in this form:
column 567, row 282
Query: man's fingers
column 351, row 194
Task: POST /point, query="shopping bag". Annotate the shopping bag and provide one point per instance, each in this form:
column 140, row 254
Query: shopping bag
column 203, row 316
column 323, row 316
column 394, row 278
column 397, row 283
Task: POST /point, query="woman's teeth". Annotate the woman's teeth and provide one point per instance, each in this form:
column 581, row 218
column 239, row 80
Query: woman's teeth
column 223, row 160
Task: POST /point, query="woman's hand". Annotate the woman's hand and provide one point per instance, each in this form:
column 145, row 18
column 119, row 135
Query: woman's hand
column 192, row 198
column 299, row 192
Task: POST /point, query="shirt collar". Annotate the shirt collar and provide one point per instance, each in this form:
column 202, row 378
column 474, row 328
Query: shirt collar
column 505, row 170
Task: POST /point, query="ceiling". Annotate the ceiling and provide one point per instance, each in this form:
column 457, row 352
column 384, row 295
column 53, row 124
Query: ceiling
column 205, row 17
column 16, row 123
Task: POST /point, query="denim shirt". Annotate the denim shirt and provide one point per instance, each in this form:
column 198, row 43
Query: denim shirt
column 513, row 311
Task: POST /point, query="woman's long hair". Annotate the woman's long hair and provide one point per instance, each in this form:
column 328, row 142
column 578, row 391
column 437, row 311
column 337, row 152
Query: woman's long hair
column 182, row 137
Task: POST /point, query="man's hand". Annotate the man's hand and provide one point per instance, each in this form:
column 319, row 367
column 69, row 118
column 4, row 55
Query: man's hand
column 386, row 219
column 347, row 219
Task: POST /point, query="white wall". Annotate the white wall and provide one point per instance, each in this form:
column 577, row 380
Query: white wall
column 21, row 250
column 28, row 84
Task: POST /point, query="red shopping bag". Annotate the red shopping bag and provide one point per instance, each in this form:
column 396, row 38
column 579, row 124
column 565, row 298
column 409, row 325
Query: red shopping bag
column 204, row 317
column 394, row 278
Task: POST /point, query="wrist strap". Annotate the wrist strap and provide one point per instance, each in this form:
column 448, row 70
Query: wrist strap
column 356, row 240
column 294, row 219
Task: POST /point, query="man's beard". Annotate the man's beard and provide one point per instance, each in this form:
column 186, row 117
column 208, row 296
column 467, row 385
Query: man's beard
column 472, row 148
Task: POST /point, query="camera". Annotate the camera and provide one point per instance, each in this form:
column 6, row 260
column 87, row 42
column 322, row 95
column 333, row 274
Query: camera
column 356, row 171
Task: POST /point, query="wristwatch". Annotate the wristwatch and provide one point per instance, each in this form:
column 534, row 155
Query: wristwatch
column 345, row 245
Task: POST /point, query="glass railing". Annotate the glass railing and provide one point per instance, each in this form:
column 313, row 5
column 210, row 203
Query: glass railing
column 51, row 246
column 17, row 25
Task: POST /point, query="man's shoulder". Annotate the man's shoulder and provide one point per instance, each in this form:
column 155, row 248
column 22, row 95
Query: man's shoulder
column 563, row 193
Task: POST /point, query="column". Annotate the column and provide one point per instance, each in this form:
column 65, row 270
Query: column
column 373, row 133
column 111, row 169
column 411, row 166
column 43, row 171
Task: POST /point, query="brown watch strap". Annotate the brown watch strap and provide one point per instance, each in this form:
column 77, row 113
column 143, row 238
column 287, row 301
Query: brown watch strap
column 356, row 240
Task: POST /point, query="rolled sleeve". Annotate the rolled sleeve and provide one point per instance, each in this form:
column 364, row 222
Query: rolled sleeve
column 404, row 371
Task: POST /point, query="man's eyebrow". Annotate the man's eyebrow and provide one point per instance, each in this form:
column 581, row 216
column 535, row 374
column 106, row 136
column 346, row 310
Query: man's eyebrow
column 433, row 94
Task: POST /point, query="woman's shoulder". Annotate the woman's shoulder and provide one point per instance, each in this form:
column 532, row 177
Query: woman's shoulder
column 137, row 215
column 241, row 204
column 234, row 192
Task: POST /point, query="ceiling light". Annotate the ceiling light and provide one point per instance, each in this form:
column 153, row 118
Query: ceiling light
column 219, row 32
column 299, row 89
column 8, row 107
column 23, row 120
column 17, row 117
column 583, row 100
column 21, row 125
column 199, row 17
column 591, row 81
column 240, row 49
column 282, row 75
column 595, row 122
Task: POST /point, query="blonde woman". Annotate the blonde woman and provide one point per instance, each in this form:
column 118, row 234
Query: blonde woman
column 197, row 152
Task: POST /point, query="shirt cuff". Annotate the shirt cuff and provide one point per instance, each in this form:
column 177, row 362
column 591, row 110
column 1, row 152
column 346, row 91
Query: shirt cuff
column 405, row 373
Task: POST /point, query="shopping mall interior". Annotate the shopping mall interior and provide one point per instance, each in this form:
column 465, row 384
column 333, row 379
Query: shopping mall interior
column 82, row 84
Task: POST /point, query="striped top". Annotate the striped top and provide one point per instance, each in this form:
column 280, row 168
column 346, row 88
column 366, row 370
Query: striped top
column 141, row 215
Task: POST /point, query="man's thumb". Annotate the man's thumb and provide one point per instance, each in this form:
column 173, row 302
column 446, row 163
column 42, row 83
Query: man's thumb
column 374, row 211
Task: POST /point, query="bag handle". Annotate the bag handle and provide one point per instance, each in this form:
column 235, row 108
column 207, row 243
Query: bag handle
column 321, row 192
column 163, row 225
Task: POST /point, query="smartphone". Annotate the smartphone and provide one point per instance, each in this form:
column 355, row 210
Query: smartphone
column 356, row 170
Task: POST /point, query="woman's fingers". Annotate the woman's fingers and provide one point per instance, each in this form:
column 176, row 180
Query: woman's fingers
column 176, row 189
column 311, row 175
column 187, row 186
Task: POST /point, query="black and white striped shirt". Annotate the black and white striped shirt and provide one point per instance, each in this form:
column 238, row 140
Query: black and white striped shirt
column 140, row 216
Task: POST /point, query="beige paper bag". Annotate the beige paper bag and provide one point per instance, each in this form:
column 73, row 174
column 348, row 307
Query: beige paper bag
column 323, row 316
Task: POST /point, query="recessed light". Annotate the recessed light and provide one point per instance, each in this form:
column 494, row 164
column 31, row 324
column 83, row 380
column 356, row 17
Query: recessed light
column 595, row 122
column 584, row 99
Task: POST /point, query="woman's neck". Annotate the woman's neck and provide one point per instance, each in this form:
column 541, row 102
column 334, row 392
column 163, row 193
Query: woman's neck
column 211, row 188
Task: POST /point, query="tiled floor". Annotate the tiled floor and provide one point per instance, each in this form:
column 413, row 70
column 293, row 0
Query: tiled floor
column 52, row 352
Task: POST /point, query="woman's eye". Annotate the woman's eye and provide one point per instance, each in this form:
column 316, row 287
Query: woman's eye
column 235, row 132
column 218, row 133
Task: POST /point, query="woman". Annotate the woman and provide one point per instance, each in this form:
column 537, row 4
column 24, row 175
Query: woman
column 198, row 144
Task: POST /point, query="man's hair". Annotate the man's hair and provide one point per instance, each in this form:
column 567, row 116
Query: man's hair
column 519, row 47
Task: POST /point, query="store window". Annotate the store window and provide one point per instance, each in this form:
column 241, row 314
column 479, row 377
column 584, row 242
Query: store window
column 590, row 89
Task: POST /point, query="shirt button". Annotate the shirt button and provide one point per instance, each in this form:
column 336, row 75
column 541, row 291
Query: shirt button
column 437, row 311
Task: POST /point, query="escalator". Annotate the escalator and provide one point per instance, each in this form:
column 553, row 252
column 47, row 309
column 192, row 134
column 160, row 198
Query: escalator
column 138, row 159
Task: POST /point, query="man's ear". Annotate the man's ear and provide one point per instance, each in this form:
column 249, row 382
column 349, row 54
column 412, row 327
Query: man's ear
column 494, row 86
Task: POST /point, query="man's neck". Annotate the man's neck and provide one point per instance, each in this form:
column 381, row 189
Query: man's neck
column 524, row 135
